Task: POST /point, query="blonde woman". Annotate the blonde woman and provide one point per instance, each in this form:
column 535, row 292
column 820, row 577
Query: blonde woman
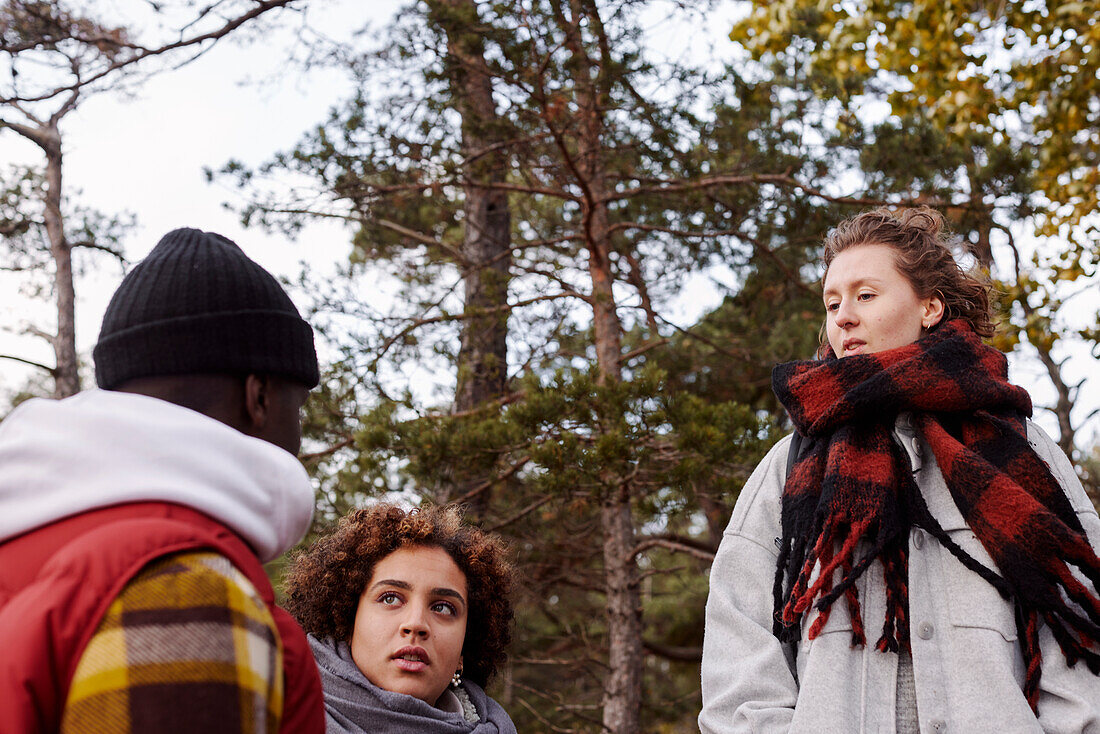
column 928, row 564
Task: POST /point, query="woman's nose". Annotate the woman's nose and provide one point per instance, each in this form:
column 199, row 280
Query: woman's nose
column 415, row 624
column 845, row 315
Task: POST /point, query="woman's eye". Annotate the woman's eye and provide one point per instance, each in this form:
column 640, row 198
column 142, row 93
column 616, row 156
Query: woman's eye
column 866, row 296
column 443, row 607
column 832, row 306
column 389, row 599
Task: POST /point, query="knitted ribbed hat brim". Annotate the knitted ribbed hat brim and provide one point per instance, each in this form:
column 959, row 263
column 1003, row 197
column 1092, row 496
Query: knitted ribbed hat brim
column 244, row 342
column 198, row 305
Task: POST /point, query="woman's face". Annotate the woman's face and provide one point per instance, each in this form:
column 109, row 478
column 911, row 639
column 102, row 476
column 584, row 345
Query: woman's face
column 411, row 623
column 870, row 306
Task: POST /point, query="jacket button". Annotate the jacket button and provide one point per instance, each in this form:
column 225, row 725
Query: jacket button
column 918, row 539
column 925, row 630
column 939, row 726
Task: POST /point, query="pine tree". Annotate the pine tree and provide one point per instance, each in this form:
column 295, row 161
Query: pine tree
column 611, row 457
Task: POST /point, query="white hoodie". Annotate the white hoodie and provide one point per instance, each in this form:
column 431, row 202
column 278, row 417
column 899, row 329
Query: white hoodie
column 101, row 448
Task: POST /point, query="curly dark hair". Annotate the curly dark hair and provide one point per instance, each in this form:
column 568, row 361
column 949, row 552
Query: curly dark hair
column 325, row 582
column 922, row 249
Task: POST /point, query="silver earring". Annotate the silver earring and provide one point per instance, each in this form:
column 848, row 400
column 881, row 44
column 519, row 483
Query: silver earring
column 456, row 679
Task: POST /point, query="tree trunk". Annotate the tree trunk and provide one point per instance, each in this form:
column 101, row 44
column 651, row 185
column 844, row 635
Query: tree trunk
column 486, row 245
column 626, row 653
column 71, row 52
column 483, row 357
column 66, row 374
column 623, row 689
column 1063, row 406
column 606, row 327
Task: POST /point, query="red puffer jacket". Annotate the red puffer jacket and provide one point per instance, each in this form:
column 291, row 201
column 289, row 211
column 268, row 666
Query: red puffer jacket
column 56, row 583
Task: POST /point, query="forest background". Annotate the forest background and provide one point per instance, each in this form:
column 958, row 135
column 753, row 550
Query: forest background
column 552, row 249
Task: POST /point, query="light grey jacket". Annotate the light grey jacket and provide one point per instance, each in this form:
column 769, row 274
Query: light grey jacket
column 967, row 664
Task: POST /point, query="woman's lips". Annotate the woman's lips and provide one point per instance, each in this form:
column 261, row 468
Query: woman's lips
column 410, row 666
column 411, row 659
column 854, row 346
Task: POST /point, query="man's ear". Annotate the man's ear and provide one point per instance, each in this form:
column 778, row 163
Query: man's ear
column 257, row 400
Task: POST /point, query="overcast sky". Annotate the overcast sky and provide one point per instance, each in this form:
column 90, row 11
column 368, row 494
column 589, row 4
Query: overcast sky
column 145, row 155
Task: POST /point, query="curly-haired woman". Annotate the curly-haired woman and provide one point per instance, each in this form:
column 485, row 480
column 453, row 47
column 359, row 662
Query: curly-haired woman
column 408, row 615
column 928, row 561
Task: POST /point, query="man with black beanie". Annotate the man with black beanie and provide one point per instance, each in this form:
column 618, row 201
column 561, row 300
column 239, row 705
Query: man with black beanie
column 134, row 519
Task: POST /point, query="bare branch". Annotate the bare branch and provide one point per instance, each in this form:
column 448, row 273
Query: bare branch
column 639, row 351
column 489, row 149
column 519, row 515
column 623, row 226
column 472, row 313
column 705, row 340
column 35, row 331
column 35, row 135
column 89, row 245
column 348, row 441
column 142, row 53
column 677, row 544
column 658, row 186
column 482, row 407
column 673, row 652
column 636, row 278
column 51, row 370
column 66, row 107
column 543, row 720
column 424, row 239
column 510, row 472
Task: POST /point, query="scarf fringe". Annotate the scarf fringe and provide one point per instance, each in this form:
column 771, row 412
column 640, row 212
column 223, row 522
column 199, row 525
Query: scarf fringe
column 895, row 630
column 855, row 483
column 834, row 551
column 1027, row 629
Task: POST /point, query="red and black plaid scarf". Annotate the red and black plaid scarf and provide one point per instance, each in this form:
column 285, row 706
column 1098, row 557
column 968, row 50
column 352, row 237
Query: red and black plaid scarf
column 854, row 486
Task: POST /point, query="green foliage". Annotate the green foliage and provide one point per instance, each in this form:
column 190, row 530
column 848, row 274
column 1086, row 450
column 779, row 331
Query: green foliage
column 90, row 233
column 563, row 447
column 990, row 112
column 702, row 171
column 19, row 223
column 1090, row 475
column 45, row 26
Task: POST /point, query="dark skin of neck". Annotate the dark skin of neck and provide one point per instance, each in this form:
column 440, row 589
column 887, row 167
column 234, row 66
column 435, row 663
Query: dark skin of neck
column 263, row 406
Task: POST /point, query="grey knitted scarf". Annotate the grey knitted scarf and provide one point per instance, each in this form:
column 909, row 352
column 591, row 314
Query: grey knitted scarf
column 354, row 705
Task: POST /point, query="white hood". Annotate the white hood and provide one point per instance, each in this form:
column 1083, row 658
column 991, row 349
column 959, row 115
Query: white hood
column 100, row 448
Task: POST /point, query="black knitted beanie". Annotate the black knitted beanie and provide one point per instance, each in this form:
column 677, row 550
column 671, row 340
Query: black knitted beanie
column 198, row 304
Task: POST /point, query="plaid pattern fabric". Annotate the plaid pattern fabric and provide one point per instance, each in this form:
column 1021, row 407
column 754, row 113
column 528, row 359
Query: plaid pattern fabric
column 853, row 485
column 188, row 646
